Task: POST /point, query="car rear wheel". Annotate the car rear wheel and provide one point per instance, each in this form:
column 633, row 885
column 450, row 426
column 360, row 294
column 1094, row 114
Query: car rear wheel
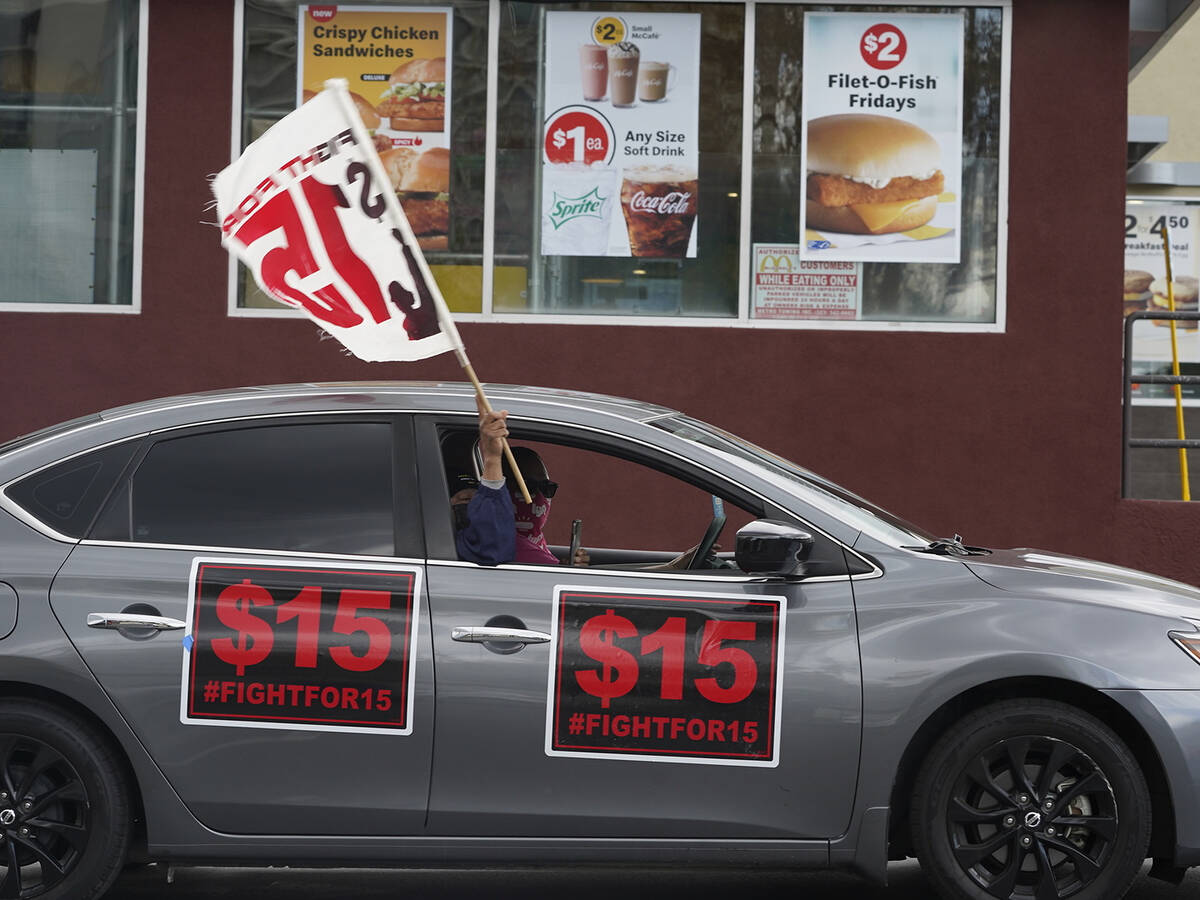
column 64, row 807
column 1031, row 799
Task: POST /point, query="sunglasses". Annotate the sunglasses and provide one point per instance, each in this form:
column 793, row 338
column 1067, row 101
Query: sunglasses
column 545, row 487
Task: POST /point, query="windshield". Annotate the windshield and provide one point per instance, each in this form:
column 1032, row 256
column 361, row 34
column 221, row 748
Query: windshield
column 837, row 501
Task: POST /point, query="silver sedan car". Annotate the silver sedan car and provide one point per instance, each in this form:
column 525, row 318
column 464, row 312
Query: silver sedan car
column 237, row 627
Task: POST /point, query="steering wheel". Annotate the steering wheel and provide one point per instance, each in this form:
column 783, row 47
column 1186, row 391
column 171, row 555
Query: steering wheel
column 704, row 548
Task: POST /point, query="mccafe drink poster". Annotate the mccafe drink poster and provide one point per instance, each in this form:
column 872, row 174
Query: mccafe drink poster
column 882, row 137
column 1145, row 289
column 396, row 62
column 620, row 143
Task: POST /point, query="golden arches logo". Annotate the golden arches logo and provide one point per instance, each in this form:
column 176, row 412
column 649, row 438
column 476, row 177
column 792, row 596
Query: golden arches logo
column 770, row 264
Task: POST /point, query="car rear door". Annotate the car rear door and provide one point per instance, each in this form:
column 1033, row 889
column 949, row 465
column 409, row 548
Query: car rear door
column 656, row 704
column 291, row 691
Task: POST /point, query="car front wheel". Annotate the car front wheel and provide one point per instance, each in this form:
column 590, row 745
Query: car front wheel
column 64, row 807
column 1031, row 799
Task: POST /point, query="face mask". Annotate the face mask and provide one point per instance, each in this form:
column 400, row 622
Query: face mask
column 531, row 517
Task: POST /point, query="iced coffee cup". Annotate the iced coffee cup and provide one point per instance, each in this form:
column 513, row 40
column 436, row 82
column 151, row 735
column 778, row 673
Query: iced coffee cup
column 577, row 207
column 593, row 71
column 623, row 73
column 659, row 203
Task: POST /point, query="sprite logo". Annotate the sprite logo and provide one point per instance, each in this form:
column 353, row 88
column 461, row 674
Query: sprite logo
column 564, row 209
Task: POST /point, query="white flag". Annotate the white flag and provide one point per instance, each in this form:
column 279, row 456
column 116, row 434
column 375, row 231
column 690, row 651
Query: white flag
column 310, row 211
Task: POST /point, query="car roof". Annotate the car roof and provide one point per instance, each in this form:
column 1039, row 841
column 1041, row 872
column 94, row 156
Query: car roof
column 369, row 395
column 66, row 438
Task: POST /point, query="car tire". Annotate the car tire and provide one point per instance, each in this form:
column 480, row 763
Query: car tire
column 1031, row 799
column 64, row 805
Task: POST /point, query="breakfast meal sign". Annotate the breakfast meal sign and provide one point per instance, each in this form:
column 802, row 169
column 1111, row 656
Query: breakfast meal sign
column 395, row 61
column 621, row 140
column 882, row 142
column 1146, row 290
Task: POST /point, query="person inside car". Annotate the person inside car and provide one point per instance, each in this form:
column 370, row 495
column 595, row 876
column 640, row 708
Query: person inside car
column 493, row 523
column 484, row 523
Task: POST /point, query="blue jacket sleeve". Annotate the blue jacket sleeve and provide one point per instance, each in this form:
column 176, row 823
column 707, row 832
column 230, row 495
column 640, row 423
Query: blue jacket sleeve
column 490, row 538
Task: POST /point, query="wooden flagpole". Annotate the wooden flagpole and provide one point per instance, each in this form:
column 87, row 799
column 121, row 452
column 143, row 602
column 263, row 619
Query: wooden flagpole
column 341, row 90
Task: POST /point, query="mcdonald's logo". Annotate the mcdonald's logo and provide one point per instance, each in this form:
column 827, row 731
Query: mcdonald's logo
column 780, row 264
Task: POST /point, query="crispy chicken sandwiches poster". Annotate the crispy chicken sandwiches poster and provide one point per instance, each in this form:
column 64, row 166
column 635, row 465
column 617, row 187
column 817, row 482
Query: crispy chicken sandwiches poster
column 395, row 59
column 882, row 138
column 620, row 144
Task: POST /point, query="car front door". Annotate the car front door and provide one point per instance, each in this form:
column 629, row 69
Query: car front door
column 649, row 704
column 296, row 694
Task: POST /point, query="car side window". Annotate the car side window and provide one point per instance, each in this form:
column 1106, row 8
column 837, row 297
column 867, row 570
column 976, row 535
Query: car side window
column 67, row 495
column 321, row 488
column 634, row 514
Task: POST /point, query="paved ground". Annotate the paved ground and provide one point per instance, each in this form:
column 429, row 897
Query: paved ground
column 521, row 884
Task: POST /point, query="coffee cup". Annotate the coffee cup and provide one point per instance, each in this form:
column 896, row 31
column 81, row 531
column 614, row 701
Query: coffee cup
column 655, row 80
column 623, row 73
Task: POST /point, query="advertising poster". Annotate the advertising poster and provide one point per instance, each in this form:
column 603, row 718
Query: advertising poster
column 1145, row 288
column 621, row 137
column 396, row 61
column 882, row 137
column 300, row 646
column 665, row 677
column 787, row 286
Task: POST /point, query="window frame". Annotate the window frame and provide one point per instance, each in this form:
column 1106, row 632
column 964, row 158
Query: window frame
column 744, row 317
column 134, row 307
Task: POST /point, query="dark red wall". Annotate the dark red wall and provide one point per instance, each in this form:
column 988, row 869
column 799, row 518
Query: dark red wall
column 1010, row 440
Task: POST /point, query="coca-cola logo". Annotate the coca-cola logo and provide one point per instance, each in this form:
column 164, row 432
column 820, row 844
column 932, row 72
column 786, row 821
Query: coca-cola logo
column 672, row 204
column 322, row 13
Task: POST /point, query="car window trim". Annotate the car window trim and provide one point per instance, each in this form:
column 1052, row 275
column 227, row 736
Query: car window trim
column 225, row 548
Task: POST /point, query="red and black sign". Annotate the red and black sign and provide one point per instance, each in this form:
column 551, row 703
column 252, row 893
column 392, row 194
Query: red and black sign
column 300, row 646
column 666, row 676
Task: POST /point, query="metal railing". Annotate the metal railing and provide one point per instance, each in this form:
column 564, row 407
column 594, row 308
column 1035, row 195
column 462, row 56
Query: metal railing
column 1128, row 442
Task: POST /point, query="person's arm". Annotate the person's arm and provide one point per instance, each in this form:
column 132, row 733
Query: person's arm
column 490, row 537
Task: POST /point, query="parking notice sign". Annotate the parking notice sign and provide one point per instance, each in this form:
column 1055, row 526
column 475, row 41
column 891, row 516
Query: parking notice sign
column 300, row 646
column 665, row 676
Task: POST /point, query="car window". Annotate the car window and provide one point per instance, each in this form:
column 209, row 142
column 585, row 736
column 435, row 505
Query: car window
column 847, row 506
column 322, row 488
column 624, row 505
column 634, row 512
column 66, row 496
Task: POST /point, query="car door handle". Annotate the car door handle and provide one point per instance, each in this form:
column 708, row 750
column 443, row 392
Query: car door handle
column 133, row 620
column 478, row 634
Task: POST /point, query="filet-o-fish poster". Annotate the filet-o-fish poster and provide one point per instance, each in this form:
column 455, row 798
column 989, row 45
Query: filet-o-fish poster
column 621, row 136
column 882, row 138
column 396, row 60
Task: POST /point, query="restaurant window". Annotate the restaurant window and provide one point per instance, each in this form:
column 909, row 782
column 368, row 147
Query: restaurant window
column 69, row 153
column 904, row 276
column 661, row 163
column 420, row 75
column 619, row 158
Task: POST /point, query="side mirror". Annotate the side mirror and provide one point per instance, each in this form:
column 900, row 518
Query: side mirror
column 770, row 547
